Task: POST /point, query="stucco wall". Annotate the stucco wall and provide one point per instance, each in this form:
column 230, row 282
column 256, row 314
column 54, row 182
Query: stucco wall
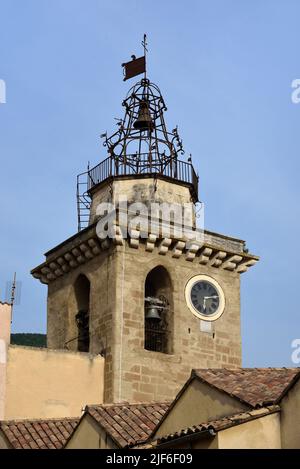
column 290, row 418
column 205, row 443
column 89, row 435
column 198, row 404
column 261, row 433
column 5, row 321
column 43, row 383
column 4, row 443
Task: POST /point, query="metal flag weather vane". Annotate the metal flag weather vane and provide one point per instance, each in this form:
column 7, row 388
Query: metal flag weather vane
column 137, row 65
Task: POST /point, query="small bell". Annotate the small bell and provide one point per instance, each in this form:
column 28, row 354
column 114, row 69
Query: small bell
column 152, row 313
column 144, row 121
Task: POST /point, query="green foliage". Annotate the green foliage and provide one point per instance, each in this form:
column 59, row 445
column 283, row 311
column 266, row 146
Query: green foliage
column 31, row 340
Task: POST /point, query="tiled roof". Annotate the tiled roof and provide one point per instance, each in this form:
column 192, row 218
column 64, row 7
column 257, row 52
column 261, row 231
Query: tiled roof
column 38, row 434
column 214, row 426
column 256, row 387
column 128, row 424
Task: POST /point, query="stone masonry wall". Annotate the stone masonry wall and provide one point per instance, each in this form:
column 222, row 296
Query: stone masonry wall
column 117, row 278
column 62, row 308
column 142, row 375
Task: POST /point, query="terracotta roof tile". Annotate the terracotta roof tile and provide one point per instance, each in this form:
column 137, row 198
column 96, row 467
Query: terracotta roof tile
column 127, row 424
column 38, row 434
column 256, row 387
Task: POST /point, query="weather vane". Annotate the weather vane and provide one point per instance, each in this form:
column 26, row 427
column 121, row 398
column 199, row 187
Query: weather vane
column 136, row 66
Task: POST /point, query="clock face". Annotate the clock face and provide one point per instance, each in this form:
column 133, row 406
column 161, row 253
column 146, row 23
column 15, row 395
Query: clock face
column 205, row 297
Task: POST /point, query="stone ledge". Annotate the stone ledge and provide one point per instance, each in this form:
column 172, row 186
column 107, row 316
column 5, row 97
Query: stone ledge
column 81, row 249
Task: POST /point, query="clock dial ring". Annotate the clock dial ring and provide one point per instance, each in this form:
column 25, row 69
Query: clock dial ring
column 205, row 297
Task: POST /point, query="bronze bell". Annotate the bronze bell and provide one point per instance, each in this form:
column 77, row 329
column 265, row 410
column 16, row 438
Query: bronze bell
column 144, row 121
column 152, row 313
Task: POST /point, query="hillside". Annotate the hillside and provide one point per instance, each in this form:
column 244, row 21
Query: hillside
column 29, row 339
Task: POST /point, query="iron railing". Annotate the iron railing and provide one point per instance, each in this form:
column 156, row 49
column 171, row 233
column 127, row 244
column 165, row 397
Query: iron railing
column 156, row 336
column 174, row 170
column 143, row 165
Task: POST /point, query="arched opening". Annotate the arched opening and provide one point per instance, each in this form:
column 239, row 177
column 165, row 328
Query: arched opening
column 158, row 312
column 82, row 316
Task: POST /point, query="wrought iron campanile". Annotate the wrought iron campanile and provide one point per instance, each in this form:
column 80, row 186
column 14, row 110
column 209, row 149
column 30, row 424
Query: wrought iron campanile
column 142, row 143
column 141, row 146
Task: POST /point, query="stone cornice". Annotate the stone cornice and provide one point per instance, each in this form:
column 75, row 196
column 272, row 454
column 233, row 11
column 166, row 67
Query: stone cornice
column 216, row 251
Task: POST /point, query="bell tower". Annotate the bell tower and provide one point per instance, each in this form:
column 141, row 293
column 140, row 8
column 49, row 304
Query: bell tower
column 154, row 294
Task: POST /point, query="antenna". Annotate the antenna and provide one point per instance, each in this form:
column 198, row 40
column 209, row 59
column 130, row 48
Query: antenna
column 12, row 298
column 145, row 44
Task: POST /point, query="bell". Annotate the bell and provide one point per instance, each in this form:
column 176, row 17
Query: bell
column 152, row 313
column 144, row 121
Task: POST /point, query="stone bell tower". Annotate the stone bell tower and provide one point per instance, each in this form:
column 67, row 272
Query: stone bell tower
column 155, row 303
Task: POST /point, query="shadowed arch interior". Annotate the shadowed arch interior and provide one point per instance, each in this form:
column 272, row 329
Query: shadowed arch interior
column 82, row 317
column 158, row 311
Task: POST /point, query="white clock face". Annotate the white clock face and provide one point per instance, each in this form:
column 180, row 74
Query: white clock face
column 204, row 297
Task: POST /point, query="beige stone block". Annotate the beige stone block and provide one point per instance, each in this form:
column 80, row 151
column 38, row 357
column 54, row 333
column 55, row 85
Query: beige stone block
column 147, row 388
column 132, row 377
column 142, row 397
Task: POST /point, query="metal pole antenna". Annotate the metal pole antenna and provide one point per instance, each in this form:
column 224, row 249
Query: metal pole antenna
column 12, row 298
column 144, row 44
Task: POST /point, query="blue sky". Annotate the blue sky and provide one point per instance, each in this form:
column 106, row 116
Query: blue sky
column 225, row 69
